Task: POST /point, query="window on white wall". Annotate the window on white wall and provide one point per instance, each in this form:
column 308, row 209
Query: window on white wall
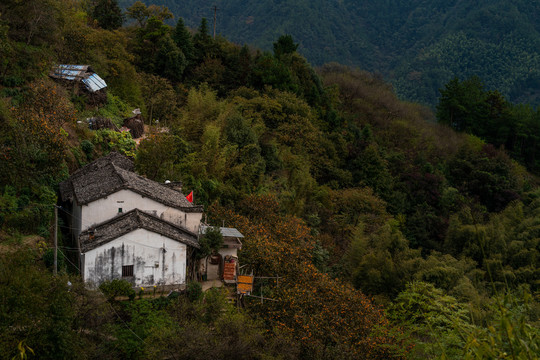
column 127, row 270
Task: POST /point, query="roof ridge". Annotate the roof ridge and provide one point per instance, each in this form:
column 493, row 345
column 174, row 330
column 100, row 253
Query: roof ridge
column 109, row 221
column 189, row 232
column 108, row 158
column 138, row 214
column 131, row 221
column 117, row 171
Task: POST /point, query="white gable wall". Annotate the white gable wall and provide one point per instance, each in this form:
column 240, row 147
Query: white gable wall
column 156, row 260
column 106, row 208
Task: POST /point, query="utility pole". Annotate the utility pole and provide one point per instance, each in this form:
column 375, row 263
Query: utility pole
column 215, row 19
column 55, row 240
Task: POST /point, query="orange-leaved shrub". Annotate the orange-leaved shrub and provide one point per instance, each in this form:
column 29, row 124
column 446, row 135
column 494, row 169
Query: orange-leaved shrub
column 327, row 317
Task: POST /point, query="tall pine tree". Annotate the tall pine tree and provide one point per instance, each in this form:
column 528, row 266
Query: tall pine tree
column 203, row 42
column 183, row 40
column 108, row 14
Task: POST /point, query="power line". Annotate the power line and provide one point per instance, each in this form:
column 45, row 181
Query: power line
column 70, row 214
column 112, row 307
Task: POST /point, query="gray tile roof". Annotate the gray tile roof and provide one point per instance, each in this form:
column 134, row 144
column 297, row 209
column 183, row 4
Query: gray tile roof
column 131, row 221
column 226, row 232
column 113, row 173
column 231, row 236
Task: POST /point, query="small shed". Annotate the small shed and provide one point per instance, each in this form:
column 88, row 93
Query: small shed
column 79, row 73
column 82, row 78
column 224, row 264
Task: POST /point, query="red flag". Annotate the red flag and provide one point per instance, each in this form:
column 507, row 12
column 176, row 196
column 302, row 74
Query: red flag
column 190, row 197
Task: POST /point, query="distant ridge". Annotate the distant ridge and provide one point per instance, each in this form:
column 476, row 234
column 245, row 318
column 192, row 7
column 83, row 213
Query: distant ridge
column 417, row 45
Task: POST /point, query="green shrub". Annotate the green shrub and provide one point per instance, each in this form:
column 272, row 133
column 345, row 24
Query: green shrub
column 214, row 303
column 12, row 81
column 48, row 258
column 88, row 149
column 210, row 242
column 110, row 140
column 8, row 202
column 79, row 101
column 117, row 287
column 513, row 333
column 194, row 291
column 116, row 110
column 433, row 318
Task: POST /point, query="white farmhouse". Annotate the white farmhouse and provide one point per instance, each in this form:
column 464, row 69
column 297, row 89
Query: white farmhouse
column 138, row 247
column 126, row 225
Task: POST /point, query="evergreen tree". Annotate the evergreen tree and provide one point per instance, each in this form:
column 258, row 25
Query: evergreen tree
column 157, row 52
column 203, row 42
column 183, row 40
column 108, row 14
column 284, row 45
column 462, row 103
column 170, row 61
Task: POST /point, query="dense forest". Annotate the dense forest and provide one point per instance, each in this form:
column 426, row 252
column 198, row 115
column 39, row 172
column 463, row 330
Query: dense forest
column 394, row 236
column 417, row 45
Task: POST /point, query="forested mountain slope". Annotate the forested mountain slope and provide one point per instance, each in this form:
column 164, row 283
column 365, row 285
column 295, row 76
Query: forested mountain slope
column 393, row 236
column 417, row 45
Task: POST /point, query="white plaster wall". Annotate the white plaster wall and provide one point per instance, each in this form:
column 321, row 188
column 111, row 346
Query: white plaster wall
column 106, row 208
column 190, row 221
column 144, row 250
column 228, row 251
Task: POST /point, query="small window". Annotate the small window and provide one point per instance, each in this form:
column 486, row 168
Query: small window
column 127, row 270
column 119, row 210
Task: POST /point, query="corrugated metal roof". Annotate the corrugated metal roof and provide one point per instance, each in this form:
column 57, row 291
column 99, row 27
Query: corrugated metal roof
column 74, row 67
column 227, row 232
column 69, row 72
column 94, row 83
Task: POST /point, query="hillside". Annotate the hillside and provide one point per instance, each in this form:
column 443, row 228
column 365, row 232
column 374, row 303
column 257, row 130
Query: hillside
column 393, row 236
column 417, row 45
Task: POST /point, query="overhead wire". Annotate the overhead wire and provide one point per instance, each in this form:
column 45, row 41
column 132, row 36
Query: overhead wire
column 110, row 305
column 42, row 233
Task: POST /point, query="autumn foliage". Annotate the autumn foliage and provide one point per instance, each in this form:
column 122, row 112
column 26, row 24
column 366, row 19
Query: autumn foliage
column 323, row 314
column 39, row 123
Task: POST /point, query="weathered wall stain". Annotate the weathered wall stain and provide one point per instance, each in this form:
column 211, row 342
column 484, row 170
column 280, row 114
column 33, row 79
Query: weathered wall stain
column 156, row 260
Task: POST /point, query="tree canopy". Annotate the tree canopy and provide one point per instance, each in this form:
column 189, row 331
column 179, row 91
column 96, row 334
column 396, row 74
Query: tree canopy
column 370, row 223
